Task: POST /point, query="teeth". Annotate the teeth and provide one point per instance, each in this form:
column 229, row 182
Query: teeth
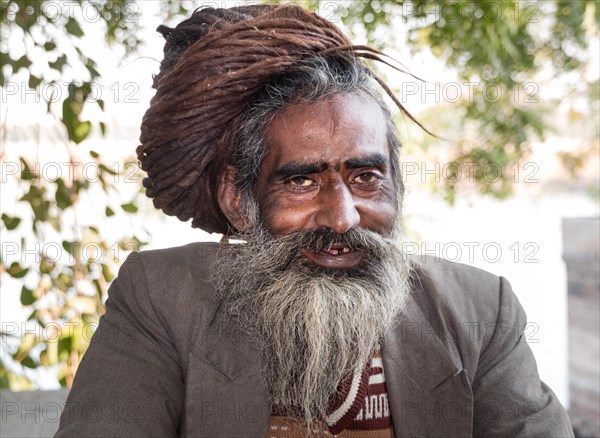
column 330, row 250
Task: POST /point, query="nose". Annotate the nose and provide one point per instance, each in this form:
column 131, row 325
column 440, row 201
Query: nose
column 337, row 209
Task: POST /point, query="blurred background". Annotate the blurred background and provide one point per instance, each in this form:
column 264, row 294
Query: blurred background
column 513, row 186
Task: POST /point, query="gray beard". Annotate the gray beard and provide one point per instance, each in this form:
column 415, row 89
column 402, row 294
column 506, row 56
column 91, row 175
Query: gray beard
column 314, row 326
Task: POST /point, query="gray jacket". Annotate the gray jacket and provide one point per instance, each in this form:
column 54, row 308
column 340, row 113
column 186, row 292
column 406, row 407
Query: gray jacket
column 167, row 361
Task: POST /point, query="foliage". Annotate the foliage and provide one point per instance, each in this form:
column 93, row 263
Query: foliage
column 63, row 280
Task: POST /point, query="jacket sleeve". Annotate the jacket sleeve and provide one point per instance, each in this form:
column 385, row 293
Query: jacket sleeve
column 129, row 382
column 510, row 400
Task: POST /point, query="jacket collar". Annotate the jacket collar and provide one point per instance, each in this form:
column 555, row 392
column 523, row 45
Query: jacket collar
column 428, row 390
column 225, row 394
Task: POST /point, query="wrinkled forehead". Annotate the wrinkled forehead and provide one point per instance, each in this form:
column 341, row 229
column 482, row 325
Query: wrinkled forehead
column 342, row 127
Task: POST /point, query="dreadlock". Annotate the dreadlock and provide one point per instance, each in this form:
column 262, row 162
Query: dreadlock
column 218, row 67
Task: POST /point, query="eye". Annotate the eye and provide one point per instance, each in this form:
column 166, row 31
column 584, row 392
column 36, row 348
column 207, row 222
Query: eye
column 301, row 181
column 367, row 178
column 301, row 184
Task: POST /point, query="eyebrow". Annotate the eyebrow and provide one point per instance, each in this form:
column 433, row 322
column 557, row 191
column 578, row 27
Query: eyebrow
column 297, row 168
column 376, row 160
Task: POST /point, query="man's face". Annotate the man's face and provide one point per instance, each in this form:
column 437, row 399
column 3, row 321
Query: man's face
column 328, row 167
column 319, row 279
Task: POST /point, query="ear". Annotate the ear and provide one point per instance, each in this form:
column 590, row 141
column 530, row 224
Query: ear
column 229, row 198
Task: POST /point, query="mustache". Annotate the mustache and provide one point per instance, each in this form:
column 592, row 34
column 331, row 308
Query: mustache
column 284, row 251
column 325, row 238
column 287, row 248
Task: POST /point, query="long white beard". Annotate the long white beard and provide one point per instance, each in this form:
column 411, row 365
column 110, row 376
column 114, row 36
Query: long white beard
column 315, row 326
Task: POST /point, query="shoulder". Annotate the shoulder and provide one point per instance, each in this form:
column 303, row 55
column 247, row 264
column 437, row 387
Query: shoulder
column 463, row 292
column 173, row 284
column 457, row 288
column 193, row 259
column 468, row 307
column 170, row 272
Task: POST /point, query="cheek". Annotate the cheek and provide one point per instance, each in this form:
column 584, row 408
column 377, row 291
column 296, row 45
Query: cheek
column 286, row 222
column 380, row 212
column 379, row 216
column 283, row 216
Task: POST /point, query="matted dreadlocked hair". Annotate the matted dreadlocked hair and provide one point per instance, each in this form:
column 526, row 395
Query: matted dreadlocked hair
column 225, row 74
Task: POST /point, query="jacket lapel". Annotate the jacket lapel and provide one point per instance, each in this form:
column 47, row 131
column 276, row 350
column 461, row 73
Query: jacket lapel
column 428, row 390
column 225, row 394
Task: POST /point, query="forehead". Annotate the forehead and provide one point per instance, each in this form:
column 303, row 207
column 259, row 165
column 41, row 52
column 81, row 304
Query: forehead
column 332, row 131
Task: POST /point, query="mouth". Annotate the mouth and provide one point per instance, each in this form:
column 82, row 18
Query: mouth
column 338, row 255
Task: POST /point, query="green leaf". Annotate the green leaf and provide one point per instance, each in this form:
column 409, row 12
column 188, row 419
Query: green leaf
column 94, row 154
column 54, row 221
column 5, row 59
column 28, row 362
column 26, row 172
column 73, row 28
column 63, row 195
column 10, row 222
column 59, row 63
column 16, row 270
column 65, row 346
column 91, row 67
column 49, row 46
column 72, row 107
column 27, row 297
column 104, row 168
column 70, row 246
column 107, row 273
column 98, row 287
column 51, row 99
column 81, row 131
column 4, row 382
column 79, row 185
column 22, row 62
column 34, row 196
column 46, row 267
column 109, row 212
column 129, row 207
column 131, row 244
column 62, row 281
column 34, row 82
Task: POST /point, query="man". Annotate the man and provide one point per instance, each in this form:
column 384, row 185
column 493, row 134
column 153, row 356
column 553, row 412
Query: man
column 267, row 127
